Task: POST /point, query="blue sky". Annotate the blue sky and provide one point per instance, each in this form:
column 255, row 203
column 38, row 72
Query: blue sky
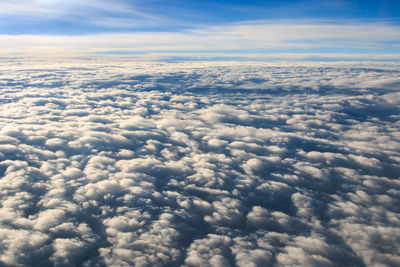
column 186, row 25
column 82, row 17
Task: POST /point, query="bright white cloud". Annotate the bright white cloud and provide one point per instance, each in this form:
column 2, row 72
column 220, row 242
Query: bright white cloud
column 121, row 163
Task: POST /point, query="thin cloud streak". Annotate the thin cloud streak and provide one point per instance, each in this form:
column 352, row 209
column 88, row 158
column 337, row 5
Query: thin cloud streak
column 119, row 14
column 369, row 38
column 45, row 9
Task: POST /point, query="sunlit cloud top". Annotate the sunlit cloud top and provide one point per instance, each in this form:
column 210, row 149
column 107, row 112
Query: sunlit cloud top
column 227, row 27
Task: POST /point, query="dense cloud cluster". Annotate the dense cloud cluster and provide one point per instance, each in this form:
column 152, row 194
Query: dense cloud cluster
column 118, row 163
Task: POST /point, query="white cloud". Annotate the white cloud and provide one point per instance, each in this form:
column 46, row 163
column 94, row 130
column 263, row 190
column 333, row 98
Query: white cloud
column 70, row 10
column 268, row 37
column 106, row 163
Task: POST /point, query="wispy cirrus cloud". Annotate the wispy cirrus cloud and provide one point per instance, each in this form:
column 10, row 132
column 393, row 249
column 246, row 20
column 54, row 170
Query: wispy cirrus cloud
column 256, row 37
column 48, row 9
column 79, row 17
column 97, row 26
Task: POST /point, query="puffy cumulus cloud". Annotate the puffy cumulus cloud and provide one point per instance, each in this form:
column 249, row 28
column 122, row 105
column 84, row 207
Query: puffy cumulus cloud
column 118, row 163
column 212, row 250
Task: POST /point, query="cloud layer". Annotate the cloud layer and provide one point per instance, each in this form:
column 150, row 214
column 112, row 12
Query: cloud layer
column 119, row 163
column 367, row 40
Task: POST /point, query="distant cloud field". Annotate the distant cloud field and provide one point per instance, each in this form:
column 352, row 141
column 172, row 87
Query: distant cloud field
column 112, row 162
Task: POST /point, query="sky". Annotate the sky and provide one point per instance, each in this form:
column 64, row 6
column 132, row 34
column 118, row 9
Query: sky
column 198, row 133
column 275, row 28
